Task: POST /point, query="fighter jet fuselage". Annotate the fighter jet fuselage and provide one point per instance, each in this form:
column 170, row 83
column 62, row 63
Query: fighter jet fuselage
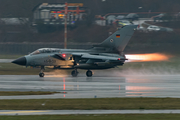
column 108, row 54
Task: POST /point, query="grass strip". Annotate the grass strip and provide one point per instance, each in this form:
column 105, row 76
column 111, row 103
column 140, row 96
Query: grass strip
column 91, row 104
column 96, row 117
column 12, row 93
column 13, row 69
column 8, row 56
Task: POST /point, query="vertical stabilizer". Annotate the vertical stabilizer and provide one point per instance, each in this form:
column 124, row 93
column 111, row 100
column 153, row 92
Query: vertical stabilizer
column 118, row 40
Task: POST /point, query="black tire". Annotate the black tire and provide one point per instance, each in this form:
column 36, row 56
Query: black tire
column 74, row 73
column 89, row 73
column 41, row 74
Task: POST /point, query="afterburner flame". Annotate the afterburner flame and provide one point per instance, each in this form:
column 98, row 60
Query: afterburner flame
column 147, row 57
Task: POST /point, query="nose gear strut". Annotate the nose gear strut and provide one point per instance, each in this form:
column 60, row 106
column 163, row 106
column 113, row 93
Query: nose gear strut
column 41, row 74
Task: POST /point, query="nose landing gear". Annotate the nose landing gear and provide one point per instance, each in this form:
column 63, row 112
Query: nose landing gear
column 41, row 74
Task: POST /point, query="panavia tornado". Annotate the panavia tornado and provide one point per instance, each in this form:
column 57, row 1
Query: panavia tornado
column 106, row 55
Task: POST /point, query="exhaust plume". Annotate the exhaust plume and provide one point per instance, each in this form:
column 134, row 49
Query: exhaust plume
column 147, row 57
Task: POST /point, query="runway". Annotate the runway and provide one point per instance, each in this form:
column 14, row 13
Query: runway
column 94, row 87
column 80, row 112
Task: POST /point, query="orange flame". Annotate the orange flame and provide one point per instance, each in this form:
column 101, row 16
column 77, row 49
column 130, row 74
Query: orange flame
column 147, row 57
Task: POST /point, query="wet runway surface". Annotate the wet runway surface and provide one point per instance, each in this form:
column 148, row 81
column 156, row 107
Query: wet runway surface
column 95, row 87
column 74, row 112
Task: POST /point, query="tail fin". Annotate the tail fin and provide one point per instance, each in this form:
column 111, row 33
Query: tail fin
column 118, row 40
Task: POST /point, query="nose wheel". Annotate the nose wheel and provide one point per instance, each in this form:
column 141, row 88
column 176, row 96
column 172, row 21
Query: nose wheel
column 74, row 73
column 89, row 73
column 41, row 74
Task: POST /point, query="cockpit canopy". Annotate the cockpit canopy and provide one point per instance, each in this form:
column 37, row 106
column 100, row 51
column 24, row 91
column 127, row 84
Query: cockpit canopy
column 45, row 50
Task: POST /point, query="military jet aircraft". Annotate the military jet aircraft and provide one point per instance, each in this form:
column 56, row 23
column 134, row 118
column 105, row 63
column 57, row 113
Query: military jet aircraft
column 107, row 54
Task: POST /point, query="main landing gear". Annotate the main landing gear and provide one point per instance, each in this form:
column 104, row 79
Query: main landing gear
column 89, row 73
column 41, row 74
column 74, row 73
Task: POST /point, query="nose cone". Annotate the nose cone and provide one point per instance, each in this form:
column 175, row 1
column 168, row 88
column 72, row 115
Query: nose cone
column 20, row 61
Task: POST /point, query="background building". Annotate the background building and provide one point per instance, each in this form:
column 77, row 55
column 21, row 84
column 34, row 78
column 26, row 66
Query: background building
column 54, row 14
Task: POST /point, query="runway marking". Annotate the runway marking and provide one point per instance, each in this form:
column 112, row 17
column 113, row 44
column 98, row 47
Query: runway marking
column 21, row 112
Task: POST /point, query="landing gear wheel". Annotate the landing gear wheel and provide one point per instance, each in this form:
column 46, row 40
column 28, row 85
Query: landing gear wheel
column 74, row 73
column 41, row 74
column 89, row 73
